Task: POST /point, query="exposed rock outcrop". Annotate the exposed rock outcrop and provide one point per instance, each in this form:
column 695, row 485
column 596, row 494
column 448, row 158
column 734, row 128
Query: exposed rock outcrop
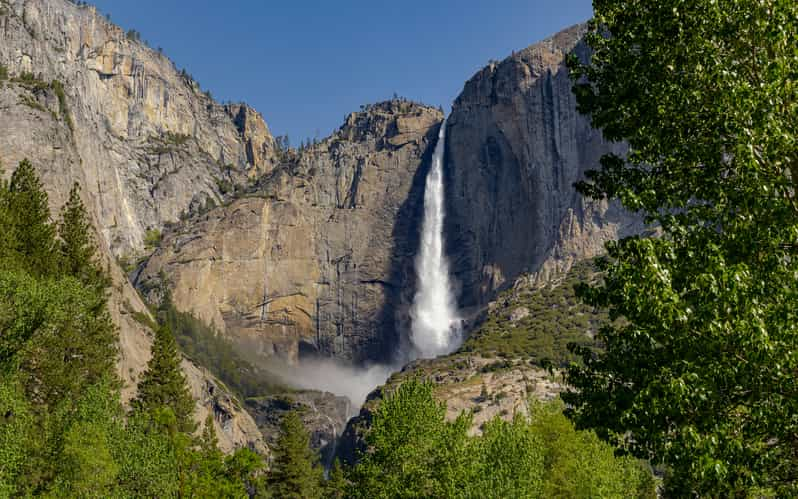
column 487, row 388
column 319, row 259
column 147, row 144
column 515, row 146
column 323, row 414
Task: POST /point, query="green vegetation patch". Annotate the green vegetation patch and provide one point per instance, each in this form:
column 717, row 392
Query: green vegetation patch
column 539, row 323
column 168, row 142
column 152, row 239
column 204, row 345
column 31, row 102
column 63, row 106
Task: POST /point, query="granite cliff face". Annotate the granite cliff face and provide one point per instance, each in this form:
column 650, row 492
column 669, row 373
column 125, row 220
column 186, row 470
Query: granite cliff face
column 143, row 140
column 318, row 259
column 87, row 105
column 294, row 253
column 516, row 145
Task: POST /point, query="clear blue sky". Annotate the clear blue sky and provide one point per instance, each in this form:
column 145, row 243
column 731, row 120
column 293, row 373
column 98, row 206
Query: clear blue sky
column 306, row 64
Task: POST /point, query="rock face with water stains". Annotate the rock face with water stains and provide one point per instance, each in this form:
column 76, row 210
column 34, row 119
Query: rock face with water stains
column 516, row 145
column 319, row 258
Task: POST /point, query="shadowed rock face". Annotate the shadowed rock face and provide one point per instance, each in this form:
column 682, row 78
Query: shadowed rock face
column 323, row 414
column 320, row 259
column 516, row 145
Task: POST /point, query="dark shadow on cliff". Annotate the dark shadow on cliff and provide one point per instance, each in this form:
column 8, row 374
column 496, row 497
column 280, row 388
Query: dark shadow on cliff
column 393, row 346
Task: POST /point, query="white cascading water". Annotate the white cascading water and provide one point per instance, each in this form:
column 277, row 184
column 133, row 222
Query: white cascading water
column 435, row 328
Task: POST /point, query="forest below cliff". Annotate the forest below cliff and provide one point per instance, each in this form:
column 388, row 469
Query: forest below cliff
column 66, row 433
column 677, row 352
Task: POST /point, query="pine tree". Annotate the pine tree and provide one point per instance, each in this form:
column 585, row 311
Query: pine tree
column 209, row 443
column 6, row 236
column 163, row 384
column 337, row 484
column 77, row 245
column 33, row 240
column 295, row 472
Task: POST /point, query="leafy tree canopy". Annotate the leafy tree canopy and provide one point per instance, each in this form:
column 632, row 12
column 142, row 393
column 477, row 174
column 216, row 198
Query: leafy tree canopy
column 702, row 372
column 414, row 452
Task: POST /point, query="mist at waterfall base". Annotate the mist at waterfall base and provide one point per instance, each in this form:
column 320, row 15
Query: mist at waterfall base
column 435, row 327
column 330, row 375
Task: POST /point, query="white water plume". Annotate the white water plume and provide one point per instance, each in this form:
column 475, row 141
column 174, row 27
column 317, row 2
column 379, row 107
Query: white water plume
column 329, row 375
column 435, row 328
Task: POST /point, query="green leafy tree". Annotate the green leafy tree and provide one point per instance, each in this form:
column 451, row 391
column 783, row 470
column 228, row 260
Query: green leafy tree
column 56, row 335
column 295, row 470
column 701, row 373
column 147, row 460
column 413, row 451
column 86, row 464
column 163, row 384
column 77, row 245
column 16, row 428
column 33, row 243
column 578, row 463
column 509, row 461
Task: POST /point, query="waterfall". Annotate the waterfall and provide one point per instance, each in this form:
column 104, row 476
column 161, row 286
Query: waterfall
column 435, row 328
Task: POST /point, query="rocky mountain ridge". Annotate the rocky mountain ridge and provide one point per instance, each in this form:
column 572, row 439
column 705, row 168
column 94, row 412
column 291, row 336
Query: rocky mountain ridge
column 140, row 131
column 515, row 147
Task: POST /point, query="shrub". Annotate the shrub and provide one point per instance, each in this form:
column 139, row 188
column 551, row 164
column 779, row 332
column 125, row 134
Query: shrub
column 152, row 239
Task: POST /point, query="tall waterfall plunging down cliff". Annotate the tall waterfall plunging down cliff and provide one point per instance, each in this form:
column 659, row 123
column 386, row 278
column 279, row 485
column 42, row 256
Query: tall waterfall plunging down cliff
column 435, row 328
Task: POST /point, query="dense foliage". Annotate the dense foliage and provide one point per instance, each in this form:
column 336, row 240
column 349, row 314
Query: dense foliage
column 295, row 472
column 414, row 452
column 63, row 430
column 703, row 372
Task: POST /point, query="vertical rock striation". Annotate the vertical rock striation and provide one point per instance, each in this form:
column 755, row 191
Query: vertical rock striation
column 516, row 146
column 318, row 260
